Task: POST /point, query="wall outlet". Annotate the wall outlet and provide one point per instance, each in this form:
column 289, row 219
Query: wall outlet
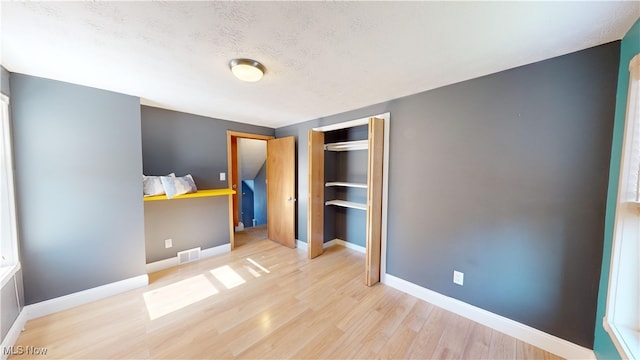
column 458, row 277
column 168, row 243
column 223, row 176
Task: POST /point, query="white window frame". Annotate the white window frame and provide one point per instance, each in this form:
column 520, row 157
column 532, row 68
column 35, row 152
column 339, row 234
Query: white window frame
column 622, row 320
column 10, row 264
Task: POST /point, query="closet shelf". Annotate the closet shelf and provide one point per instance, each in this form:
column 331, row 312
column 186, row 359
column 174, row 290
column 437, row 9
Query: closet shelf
column 346, row 184
column 348, row 204
column 199, row 193
column 348, row 145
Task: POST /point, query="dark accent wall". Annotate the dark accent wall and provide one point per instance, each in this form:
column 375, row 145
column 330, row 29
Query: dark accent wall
column 78, row 177
column 504, row 178
column 260, row 196
column 183, row 143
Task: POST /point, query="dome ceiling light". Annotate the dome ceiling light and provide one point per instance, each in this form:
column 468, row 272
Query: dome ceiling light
column 247, row 69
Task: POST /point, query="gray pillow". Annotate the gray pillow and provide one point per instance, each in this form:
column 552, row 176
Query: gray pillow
column 174, row 186
column 152, row 185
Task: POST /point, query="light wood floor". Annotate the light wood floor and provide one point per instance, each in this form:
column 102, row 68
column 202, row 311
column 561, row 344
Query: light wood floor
column 267, row 301
column 249, row 235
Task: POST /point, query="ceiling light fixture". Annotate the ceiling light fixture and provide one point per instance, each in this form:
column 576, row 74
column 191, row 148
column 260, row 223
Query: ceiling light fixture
column 247, row 69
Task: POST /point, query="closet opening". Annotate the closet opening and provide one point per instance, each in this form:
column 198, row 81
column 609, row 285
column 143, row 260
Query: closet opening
column 348, row 191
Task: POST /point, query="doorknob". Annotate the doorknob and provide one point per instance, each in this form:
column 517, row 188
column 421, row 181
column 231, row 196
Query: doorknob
column 290, row 199
column 234, row 186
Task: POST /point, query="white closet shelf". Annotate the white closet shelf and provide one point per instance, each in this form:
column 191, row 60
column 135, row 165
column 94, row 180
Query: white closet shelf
column 348, row 145
column 348, row 204
column 346, row 184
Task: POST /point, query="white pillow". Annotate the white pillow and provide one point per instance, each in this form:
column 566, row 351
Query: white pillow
column 152, row 185
column 174, row 186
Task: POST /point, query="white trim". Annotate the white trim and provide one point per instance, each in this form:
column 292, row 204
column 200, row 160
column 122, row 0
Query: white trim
column 13, row 333
column 626, row 340
column 348, row 245
column 171, row 262
column 9, row 274
column 343, row 125
column 7, row 143
column 502, row 324
column 65, row 302
column 83, row 297
column 303, row 245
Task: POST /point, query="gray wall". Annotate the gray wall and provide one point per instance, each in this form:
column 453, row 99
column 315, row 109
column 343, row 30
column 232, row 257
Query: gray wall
column 184, row 143
column 190, row 223
column 78, row 164
column 260, row 196
column 504, row 178
column 5, row 81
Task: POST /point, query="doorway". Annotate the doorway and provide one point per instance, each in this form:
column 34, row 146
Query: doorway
column 280, row 184
column 247, row 155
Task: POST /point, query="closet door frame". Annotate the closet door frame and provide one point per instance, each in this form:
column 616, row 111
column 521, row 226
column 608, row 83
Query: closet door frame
column 378, row 162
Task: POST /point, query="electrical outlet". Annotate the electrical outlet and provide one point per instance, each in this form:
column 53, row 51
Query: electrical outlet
column 223, row 176
column 168, row 243
column 458, row 277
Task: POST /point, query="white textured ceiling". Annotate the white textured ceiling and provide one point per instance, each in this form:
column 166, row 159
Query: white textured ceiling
column 322, row 58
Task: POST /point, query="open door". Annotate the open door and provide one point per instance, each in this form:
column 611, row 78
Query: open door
column 374, row 201
column 315, row 215
column 281, row 200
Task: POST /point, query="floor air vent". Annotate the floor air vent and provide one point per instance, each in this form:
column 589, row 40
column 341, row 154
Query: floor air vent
column 188, row 255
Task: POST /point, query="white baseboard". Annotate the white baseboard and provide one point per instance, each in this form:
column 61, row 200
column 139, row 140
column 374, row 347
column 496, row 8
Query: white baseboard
column 13, row 334
column 303, row 245
column 82, row 297
column 171, row 262
column 348, row 245
column 535, row 337
column 47, row 307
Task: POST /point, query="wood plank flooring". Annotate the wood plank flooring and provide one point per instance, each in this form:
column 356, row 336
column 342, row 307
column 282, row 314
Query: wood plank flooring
column 265, row 301
column 250, row 234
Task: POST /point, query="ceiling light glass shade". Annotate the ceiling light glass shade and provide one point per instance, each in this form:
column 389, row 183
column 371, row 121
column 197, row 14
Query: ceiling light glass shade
column 247, row 69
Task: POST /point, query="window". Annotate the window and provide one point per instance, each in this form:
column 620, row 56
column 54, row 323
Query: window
column 8, row 238
column 623, row 317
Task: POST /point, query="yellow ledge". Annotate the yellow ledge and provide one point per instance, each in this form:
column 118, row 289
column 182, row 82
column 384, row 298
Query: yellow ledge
column 200, row 193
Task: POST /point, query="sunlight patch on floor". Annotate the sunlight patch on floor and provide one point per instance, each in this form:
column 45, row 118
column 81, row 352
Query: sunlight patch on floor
column 252, row 272
column 254, row 263
column 227, row 276
column 176, row 296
